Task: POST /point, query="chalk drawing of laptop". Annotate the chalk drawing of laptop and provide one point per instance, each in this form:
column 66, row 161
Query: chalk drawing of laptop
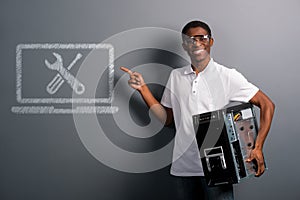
column 46, row 79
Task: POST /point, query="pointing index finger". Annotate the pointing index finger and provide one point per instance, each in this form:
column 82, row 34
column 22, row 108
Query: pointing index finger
column 126, row 70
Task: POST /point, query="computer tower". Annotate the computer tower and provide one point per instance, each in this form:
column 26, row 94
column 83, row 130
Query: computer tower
column 225, row 139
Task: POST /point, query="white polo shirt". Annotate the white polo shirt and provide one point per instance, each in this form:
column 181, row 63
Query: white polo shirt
column 188, row 94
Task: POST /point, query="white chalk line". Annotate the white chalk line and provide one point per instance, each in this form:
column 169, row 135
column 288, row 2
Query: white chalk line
column 53, row 110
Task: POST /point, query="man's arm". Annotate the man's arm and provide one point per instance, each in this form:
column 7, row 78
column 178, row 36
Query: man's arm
column 136, row 81
column 267, row 108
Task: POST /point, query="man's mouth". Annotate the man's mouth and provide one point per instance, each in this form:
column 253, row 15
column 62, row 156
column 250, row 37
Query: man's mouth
column 198, row 51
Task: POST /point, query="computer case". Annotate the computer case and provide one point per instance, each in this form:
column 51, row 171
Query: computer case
column 225, row 139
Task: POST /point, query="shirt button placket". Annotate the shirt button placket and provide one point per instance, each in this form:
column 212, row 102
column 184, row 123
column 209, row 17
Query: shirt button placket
column 194, row 88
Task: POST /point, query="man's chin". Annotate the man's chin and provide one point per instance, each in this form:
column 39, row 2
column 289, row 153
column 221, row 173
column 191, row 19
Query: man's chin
column 198, row 59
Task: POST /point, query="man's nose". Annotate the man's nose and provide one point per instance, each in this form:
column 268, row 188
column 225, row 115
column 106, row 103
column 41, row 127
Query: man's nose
column 197, row 42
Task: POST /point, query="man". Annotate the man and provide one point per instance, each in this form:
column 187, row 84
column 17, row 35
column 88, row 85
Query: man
column 201, row 87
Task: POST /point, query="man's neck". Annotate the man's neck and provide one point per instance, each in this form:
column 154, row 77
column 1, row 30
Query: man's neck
column 200, row 66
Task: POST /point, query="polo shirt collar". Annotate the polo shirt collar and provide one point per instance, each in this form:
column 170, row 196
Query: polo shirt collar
column 189, row 69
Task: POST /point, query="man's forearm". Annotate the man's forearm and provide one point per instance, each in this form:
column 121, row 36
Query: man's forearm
column 266, row 116
column 137, row 82
column 267, row 108
column 155, row 106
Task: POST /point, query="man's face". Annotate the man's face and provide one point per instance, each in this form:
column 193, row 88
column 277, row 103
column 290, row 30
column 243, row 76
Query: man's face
column 197, row 45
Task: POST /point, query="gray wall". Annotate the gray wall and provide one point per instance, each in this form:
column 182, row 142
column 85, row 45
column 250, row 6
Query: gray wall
column 42, row 156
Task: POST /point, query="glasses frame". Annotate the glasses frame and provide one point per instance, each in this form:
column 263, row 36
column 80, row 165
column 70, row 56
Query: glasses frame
column 193, row 39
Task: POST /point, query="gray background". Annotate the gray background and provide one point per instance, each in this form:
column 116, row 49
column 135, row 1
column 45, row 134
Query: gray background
column 42, row 157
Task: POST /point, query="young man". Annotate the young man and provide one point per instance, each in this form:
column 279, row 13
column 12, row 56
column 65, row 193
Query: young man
column 201, row 87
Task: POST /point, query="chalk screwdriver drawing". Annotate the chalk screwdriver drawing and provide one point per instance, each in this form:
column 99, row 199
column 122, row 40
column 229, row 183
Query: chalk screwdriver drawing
column 63, row 75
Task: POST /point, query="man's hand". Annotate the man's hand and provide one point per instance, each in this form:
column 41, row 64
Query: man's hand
column 257, row 156
column 136, row 80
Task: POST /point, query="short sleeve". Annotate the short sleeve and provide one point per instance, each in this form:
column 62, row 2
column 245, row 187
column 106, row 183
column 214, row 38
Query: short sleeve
column 240, row 88
column 166, row 99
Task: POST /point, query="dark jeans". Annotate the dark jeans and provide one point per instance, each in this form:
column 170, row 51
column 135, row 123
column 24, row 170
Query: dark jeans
column 195, row 188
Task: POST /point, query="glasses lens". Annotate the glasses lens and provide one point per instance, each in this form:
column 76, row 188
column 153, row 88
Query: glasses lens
column 197, row 38
column 203, row 38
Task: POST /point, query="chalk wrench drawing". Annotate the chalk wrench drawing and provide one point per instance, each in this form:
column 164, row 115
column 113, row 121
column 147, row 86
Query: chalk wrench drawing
column 63, row 75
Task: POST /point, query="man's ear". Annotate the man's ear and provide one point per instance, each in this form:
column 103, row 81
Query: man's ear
column 211, row 42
